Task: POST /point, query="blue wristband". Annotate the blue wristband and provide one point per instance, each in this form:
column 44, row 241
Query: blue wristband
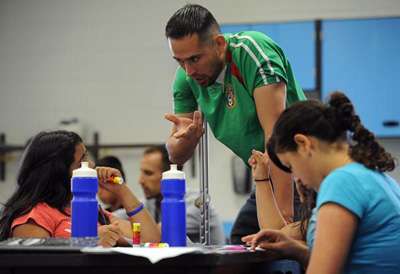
column 135, row 211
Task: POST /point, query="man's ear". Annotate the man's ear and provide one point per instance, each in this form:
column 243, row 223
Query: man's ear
column 220, row 42
column 304, row 144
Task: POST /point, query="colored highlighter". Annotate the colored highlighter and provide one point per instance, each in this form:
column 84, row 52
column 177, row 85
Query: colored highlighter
column 136, row 233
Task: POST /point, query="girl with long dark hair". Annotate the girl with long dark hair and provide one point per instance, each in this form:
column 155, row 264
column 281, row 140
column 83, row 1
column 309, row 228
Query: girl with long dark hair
column 40, row 206
column 355, row 227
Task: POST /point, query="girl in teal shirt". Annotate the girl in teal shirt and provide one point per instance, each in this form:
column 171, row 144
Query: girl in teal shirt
column 355, row 227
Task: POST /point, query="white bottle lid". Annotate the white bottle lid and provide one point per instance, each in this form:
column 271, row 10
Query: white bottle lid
column 84, row 171
column 173, row 173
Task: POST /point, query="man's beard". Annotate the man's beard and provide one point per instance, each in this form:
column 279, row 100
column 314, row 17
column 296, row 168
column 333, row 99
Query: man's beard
column 218, row 65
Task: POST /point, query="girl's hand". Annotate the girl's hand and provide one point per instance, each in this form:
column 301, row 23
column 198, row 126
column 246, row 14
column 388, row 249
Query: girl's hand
column 124, row 225
column 273, row 240
column 109, row 235
column 105, row 176
column 259, row 163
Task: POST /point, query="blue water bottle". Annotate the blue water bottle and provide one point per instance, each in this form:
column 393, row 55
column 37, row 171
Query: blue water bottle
column 84, row 207
column 173, row 208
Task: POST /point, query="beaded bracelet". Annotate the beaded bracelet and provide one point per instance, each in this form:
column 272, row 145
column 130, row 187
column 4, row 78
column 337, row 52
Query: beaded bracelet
column 135, row 211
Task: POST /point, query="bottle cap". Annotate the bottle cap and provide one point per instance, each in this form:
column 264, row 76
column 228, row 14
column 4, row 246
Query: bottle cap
column 84, row 171
column 173, row 173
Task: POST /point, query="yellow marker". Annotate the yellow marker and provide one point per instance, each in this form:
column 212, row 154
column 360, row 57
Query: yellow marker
column 136, row 233
column 117, row 180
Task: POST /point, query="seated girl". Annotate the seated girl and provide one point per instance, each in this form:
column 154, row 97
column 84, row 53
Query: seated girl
column 268, row 213
column 40, row 206
column 357, row 214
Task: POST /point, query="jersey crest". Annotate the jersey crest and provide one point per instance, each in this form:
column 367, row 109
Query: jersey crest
column 230, row 96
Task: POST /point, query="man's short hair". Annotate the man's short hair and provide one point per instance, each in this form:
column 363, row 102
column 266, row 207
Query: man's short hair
column 191, row 19
column 111, row 161
column 165, row 162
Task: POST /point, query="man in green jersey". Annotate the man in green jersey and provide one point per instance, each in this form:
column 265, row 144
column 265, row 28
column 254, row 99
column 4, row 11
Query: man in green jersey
column 241, row 82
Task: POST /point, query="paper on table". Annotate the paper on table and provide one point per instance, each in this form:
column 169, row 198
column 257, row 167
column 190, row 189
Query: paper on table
column 152, row 254
column 156, row 254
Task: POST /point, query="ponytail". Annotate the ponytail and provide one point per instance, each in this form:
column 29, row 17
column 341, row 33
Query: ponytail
column 365, row 148
column 332, row 122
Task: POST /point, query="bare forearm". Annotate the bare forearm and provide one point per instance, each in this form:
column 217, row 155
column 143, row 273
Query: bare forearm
column 149, row 230
column 128, row 200
column 302, row 254
column 267, row 210
column 179, row 151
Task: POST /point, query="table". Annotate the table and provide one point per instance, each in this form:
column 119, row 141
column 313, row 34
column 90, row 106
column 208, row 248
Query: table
column 46, row 262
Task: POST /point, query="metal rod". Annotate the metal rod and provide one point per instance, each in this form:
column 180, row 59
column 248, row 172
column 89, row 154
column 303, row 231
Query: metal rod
column 318, row 58
column 95, row 149
column 204, row 209
column 2, row 159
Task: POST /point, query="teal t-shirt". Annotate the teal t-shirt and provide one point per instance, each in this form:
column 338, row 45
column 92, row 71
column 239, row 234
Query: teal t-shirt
column 375, row 199
column 252, row 60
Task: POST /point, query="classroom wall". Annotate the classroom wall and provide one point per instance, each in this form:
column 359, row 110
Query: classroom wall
column 107, row 63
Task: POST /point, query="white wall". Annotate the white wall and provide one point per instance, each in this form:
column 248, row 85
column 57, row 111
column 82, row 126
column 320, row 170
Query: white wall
column 107, row 63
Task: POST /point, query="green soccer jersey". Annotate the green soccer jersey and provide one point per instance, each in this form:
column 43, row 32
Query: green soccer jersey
column 252, row 60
